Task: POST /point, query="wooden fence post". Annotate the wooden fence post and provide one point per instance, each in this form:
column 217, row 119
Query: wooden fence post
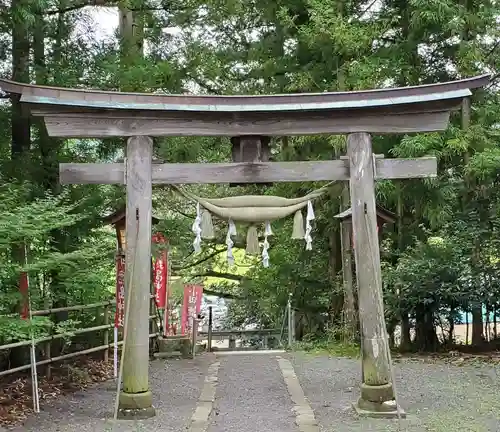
column 48, row 370
column 210, row 325
column 232, row 342
column 48, row 354
column 289, row 314
column 106, row 332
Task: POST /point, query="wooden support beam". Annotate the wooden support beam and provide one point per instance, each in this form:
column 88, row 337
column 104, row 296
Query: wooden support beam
column 109, row 124
column 377, row 386
column 265, row 172
column 92, row 173
column 252, row 149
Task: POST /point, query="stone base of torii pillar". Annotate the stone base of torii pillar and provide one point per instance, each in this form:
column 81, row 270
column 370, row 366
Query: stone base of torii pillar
column 386, row 410
column 136, row 406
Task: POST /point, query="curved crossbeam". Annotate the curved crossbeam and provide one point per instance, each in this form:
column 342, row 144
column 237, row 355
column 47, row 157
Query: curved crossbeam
column 95, row 113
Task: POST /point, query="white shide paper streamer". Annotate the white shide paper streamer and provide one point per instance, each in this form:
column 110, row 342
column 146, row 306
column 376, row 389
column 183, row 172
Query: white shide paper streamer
column 229, row 242
column 265, row 254
column 196, row 228
column 309, row 218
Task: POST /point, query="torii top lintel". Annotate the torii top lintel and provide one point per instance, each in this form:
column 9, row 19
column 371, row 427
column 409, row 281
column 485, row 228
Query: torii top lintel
column 93, row 113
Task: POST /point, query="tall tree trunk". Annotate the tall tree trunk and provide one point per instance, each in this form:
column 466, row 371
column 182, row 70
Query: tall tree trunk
column 495, row 334
column 477, row 313
column 467, row 326
column 488, row 324
column 405, row 333
column 21, row 137
column 451, row 322
column 477, row 326
column 349, row 312
column 20, row 132
column 425, row 332
column 131, row 26
column 334, row 262
column 409, row 76
column 49, row 151
column 48, row 147
column 405, row 319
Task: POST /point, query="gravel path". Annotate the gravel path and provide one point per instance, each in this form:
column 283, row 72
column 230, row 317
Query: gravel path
column 437, row 397
column 180, row 382
column 251, row 396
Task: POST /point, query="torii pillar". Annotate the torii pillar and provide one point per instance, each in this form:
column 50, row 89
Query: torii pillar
column 377, row 387
column 135, row 399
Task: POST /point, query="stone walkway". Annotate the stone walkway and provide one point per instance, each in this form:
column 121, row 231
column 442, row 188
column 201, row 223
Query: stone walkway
column 176, row 386
column 278, row 392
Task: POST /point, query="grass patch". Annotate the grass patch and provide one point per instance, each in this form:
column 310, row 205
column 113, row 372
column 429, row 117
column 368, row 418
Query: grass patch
column 328, row 347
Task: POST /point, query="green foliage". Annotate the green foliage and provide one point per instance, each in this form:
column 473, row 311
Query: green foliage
column 28, row 227
column 12, row 329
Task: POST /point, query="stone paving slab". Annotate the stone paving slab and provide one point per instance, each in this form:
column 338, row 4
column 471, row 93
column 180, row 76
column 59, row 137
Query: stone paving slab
column 251, row 396
column 437, row 397
column 176, row 386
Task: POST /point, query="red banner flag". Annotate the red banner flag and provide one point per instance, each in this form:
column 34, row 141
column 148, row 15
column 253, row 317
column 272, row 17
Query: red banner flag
column 191, row 306
column 160, row 273
column 120, row 291
column 23, row 289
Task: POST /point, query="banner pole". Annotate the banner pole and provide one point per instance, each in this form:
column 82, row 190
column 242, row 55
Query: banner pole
column 194, row 336
column 289, row 311
column 34, row 371
column 115, row 352
column 118, row 290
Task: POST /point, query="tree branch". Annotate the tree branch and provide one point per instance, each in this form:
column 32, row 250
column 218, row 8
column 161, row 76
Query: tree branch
column 80, row 5
column 101, row 3
column 229, row 276
column 366, row 9
column 186, row 215
column 221, row 294
column 203, row 85
column 492, row 50
column 215, row 253
column 493, row 80
column 239, row 243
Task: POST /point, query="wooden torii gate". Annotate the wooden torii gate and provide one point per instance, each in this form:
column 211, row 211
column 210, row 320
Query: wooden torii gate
column 250, row 121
